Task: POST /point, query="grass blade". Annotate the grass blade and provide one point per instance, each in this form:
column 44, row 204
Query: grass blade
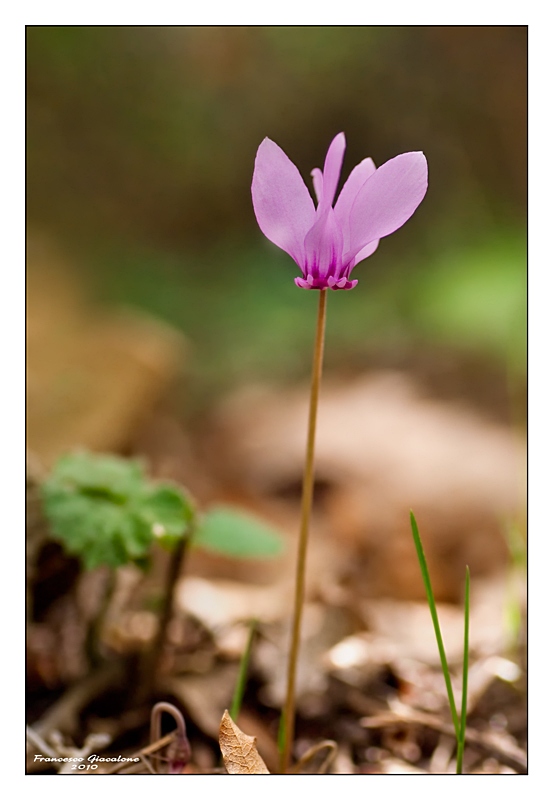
column 463, row 722
column 435, row 622
column 241, row 680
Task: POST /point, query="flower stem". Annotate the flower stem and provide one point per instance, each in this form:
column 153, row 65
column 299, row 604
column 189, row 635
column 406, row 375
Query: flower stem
column 178, row 754
column 307, row 502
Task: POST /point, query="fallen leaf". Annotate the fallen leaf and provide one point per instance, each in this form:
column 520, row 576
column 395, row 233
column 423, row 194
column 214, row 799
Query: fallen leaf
column 322, row 628
column 256, row 724
column 383, row 446
column 220, row 603
column 239, row 750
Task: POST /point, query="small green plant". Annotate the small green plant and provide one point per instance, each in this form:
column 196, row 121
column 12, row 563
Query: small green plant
column 104, row 510
column 459, row 721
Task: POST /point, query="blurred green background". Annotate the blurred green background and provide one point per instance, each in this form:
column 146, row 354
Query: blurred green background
column 141, row 144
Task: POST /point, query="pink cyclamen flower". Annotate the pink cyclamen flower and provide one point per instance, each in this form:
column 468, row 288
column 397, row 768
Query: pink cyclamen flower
column 327, row 242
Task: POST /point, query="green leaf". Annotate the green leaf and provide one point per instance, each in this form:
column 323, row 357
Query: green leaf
column 104, row 511
column 236, row 534
column 96, row 529
column 168, row 513
column 100, row 474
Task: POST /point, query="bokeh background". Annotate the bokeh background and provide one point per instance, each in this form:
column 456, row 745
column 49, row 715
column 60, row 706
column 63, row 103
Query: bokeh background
column 162, row 324
column 153, row 297
column 141, row 143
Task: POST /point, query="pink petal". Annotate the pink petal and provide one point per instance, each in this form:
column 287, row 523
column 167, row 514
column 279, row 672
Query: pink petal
column 317, row 176
column 357, row 177
column 283, row 207
column 387, row 199
column 343, row 283
column 304, row 284
column 366, row 252
column 323, row 245
column 332, row 168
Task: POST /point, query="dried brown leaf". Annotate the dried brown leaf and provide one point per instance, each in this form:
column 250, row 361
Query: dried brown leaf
column 239, row 750
column 380, row 440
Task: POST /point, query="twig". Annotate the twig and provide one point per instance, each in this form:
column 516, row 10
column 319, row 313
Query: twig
column 63, row 715
column 58, row 750
column 36, row 739
column 144, row 752
column 507, row 753
column 151, row 663
column 329, row 745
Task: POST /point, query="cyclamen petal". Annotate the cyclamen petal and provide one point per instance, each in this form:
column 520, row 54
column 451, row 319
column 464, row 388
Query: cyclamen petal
column 357, row 177
column 317, row 176
column 282, row 203
column 365, row 252
column 332, row 168
column 328, row 242
column 387, row 199
column 323, row 248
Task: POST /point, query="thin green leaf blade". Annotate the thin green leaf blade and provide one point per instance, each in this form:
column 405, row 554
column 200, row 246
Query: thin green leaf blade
column 241, row 680
column 434, row 614
column 463, row 721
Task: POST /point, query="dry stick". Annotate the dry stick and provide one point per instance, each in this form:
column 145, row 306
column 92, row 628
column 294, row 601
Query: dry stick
column 329, row 745
column 505, row 752
column 64, row 713
column 143, row 753
column 150, row 667
column 307, row 501
column 34, row 738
